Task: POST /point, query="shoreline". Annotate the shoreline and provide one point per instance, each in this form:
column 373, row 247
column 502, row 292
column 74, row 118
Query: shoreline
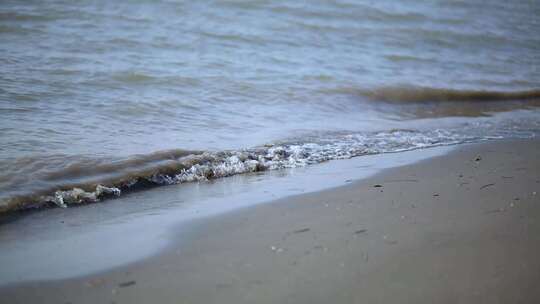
column 452, row 228
column 141, row 225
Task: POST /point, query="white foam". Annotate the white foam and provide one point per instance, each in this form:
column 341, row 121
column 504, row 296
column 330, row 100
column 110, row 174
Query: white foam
column 291, row 154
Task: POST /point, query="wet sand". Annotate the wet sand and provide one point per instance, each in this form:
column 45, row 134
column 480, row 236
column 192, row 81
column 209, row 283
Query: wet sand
column 459, row 228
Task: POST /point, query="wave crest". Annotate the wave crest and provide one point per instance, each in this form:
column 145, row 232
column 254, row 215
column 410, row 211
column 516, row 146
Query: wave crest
column 426, row 94
column 115, row 179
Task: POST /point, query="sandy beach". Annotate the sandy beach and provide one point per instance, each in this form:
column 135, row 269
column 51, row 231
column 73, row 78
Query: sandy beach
column 458, row 228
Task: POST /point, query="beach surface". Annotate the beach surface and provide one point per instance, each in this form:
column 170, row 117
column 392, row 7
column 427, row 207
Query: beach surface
column 458, row 228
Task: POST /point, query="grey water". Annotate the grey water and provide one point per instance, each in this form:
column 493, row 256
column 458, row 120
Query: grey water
column 108, row 91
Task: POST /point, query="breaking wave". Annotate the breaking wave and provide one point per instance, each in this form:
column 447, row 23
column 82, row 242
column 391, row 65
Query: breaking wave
column 180, row 166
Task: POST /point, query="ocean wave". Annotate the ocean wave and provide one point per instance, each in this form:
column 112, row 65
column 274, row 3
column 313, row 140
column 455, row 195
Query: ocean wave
column 425, row 94
column 90, row 182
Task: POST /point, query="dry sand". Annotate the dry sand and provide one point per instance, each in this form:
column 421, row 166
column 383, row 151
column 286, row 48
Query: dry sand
column 460, row 228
